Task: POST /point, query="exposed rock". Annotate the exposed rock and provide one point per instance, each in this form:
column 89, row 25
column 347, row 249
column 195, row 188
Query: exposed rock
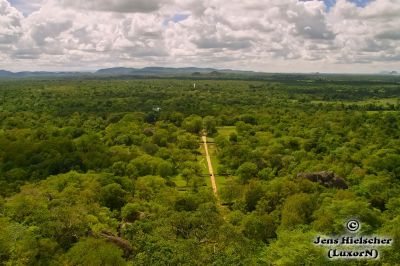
column 118, row 241
column 326, row 178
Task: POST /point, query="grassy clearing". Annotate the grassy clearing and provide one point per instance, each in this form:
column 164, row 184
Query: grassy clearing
column 379, row 102
column 213, row 155
column 220, row 180
column 382, row 111
column 179, row 181
column 201, row 159
column 226, row 131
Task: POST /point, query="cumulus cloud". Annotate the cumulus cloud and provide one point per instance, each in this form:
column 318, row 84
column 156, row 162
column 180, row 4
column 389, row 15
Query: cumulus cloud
column 309, row 19
column 389, row 35
column 274, row 35
column 10, row 23
column 366, row 35
column 123, row 6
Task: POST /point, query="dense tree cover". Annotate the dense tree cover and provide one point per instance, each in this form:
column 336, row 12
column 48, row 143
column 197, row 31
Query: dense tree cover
column 90, row 170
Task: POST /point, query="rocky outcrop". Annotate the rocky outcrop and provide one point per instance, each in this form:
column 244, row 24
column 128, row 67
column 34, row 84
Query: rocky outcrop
column 119, row 242
column 326, row 178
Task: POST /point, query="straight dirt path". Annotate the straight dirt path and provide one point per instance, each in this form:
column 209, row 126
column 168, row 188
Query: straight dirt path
column 210, row 168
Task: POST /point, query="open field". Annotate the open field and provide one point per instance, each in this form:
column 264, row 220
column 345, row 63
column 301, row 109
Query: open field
column 378, row 102
column 226, row 131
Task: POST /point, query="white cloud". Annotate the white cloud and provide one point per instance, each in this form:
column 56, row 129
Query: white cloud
column 309, row 19
column 123, row 6
column 27, row 7
column 366, row 35
column 10, row 24
column 274, row 35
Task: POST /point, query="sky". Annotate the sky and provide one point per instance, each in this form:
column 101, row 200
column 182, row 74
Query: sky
column 331, row 36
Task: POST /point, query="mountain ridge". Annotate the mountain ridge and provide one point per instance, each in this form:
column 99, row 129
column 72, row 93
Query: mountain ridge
column 154, row 71
column 168, row 71
column 126, row 71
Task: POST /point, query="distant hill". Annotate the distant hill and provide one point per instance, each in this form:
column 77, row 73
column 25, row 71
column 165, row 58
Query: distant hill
column 5, row 73
column 116, row 71
column 38, row 74
column 124, row 71
column 171, row 72
column 389, row 73
column 167, row 71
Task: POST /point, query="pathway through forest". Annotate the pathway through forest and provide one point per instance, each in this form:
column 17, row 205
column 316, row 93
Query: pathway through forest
column 210, row 168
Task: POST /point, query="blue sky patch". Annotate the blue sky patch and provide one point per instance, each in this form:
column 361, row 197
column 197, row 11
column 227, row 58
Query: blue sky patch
column 361, row 3
column 26, row 7
column 175, row 18
column 179, row 17
column 330, row 3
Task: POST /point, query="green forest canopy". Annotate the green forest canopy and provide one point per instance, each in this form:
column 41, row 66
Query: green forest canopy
column 110, row 172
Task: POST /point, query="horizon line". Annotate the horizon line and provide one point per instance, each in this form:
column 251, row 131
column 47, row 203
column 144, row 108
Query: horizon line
column 383, row 72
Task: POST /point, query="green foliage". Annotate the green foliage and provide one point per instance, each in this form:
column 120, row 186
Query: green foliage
column 92, row 174
column 193, row 124
column 294, row 248
column 188, row 141
column 231, row 191
column 253, row 194
column 132, row 211
column 334, row 212
column 94, row 252
column 297, row 209
column 259, row 227
column 247, row 171
column 18, row 244
column 113, row 196
column 267, row 173
column 210, row 125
